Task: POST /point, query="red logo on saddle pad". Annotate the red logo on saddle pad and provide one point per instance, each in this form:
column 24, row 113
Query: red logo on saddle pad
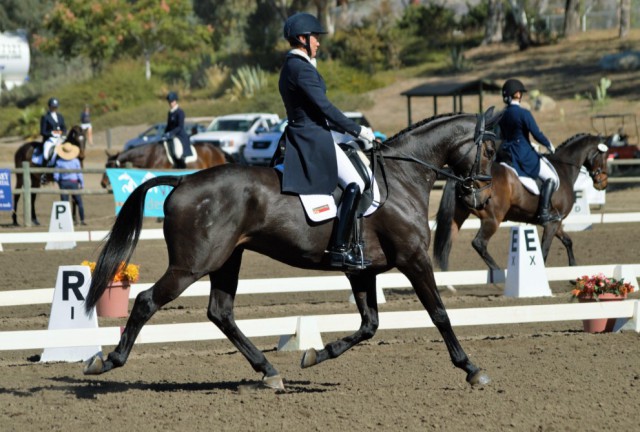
column 321, row 209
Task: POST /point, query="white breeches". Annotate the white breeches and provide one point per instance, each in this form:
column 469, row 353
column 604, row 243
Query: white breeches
column 51, row 142
column 347, row 173
column 547, row 173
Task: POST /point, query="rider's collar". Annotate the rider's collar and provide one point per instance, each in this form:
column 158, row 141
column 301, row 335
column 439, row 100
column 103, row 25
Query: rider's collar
column 299, row 52
column 173, row 108
column 515, row 102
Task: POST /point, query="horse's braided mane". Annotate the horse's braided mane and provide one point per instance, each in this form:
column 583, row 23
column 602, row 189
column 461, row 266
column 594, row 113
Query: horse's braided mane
column 573, row 138
column 420, row 123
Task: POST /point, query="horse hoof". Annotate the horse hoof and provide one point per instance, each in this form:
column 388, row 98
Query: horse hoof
column 273, row 382
column 478, row 378
column 36, row 222
column 309, row 358
column 94, row 365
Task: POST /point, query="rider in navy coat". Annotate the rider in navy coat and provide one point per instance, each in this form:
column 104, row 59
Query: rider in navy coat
column 52, row 125
column 311, row 162
column 175, row 128
column 516, row 125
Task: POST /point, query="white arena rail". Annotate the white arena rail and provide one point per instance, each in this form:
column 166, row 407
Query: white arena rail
column 157, row 234
column 628, row 310
column 334, row 283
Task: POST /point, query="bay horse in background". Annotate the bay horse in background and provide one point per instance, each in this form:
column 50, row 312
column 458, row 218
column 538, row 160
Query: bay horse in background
column 511, row 201
column 24, row 153
column 154, row 156
column 214, row 215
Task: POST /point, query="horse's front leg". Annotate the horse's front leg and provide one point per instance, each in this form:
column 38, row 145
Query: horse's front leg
column 34, row 218
column 548, row 233
column 480, row 242
column 568, row 244
column 363, row 286
column 420, row 273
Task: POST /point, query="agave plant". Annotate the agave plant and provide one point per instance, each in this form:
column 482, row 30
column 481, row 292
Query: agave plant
column 247, row 81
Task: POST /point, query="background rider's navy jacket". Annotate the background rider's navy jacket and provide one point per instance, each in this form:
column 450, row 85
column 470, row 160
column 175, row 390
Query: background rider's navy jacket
column 48, row 125
column 175, row 128
column 310, row 165
column 516, row 125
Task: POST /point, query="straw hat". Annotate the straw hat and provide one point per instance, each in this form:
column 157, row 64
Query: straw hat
column 67, row 151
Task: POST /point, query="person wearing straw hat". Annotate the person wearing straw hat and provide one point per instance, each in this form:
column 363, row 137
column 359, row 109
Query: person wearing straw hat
column 68, row 159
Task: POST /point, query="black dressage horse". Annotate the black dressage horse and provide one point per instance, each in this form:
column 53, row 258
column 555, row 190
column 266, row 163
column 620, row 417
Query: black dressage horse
column 24, row 153
column 213, row 215
column 511, row 201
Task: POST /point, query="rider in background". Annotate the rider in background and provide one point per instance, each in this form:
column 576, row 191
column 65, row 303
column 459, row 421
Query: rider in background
column 313, row 163
column 52, row 128
column 85, row 124
column 175, row 129
column 516, row 125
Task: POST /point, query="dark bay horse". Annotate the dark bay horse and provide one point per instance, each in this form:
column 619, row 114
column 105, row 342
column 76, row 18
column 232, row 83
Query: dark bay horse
column 213, row 215
column 24, row 153
column 154, row 156
column 511, row 201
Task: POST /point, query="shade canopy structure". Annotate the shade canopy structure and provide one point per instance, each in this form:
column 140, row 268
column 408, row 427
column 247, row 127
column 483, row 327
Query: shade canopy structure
column 455, row 89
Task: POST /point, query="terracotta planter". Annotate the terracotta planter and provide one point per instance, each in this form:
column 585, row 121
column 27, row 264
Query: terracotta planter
column 114, row 302
column 602, row 325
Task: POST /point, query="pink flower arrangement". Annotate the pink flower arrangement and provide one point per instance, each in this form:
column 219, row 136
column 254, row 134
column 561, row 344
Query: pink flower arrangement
column 593, row 286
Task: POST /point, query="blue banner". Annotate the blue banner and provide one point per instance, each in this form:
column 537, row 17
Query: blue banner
column 6, row 204
column 124, row 181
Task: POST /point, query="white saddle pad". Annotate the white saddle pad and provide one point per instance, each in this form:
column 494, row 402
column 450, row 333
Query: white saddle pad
column 177, row 144
column 323, row 207
column 529, row 183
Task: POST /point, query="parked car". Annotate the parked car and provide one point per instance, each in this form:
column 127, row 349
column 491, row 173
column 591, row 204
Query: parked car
column 231, row 132
column 263, row 143
column 155, row 132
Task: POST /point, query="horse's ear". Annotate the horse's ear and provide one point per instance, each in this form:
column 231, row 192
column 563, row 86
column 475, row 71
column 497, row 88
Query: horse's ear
column 491, row 117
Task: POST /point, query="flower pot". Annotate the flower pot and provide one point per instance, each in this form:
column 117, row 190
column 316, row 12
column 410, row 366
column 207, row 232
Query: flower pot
column 601, row 325
column 114, row 302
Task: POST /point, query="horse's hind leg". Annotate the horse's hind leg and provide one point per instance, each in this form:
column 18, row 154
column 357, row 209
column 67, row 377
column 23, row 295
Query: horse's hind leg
column 224, row 284
column 34, row 218
column 147, row 303
column 364, row 291
column 420, row 273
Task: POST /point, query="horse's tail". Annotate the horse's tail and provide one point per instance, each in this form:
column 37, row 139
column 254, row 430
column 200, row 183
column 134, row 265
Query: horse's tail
column 444, row 220
column 123, row 238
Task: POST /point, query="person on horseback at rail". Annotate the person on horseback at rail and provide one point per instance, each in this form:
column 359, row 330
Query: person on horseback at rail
column 52, row 128
column 313, row 163
column 516, row 125
column 175, row 129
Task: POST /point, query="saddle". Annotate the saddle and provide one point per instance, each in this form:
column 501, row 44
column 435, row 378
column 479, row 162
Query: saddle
column 360, row 162
column 533, row 185
column 176, row 145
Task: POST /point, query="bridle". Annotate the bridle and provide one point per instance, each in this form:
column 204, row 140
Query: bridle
column 595, row 174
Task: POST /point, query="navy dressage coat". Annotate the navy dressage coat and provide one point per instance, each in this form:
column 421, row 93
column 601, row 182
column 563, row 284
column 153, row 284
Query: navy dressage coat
column 310, row 165
column 516, row 125
column 175, row 128
column 48, row 125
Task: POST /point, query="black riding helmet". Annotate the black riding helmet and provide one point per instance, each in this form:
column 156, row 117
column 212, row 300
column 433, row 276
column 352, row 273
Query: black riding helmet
column 511, row 87
column 53, row 103
column 172, row 96
column 302, row 23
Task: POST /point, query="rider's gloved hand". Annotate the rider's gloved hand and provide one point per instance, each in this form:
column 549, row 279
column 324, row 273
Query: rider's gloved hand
column 366, row 135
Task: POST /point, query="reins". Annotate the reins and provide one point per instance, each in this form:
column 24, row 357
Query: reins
column 481, row 134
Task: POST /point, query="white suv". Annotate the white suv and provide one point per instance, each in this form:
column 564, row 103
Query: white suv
column 231, row 132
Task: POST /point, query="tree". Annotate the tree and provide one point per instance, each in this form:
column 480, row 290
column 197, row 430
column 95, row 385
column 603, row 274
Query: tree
column 93, row 29
column 23, row 14
column 521, row 23
column 493, row 26
column 625, row 18
column 571, row 17
column 155, row 26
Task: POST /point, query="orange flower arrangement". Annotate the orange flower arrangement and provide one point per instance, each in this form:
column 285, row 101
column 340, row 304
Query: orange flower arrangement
column 593, row 286
column 129, row 273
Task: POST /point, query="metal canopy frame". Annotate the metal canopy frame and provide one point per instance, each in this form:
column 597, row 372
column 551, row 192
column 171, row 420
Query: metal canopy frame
column 455, row 89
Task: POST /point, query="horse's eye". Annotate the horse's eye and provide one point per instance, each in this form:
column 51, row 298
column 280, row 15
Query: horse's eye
column 489, row 151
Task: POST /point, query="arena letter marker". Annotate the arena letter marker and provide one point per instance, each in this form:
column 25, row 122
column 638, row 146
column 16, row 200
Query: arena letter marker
column 526, row 274
column 307, row 336
column 67, row 312
column 580, row 209
column 61, row 221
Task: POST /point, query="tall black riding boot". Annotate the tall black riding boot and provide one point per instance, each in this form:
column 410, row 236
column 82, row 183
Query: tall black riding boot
column 179, row 163
column 544, row 206
column 342, row 252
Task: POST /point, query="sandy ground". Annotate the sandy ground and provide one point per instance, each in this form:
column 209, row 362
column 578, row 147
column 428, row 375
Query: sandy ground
column 545, row 377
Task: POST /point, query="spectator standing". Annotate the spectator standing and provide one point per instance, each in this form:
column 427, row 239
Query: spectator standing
column 85, row 124
column 68, row 159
